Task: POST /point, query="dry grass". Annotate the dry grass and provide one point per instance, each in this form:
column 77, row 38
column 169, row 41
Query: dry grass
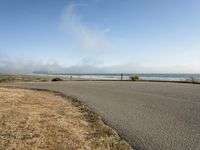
column 46, row 120
column 21, row 78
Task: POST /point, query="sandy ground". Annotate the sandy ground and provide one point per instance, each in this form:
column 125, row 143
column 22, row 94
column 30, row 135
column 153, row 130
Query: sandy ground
column 45, row 120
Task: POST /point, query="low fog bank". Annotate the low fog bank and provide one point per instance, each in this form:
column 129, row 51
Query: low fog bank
column 29, row 67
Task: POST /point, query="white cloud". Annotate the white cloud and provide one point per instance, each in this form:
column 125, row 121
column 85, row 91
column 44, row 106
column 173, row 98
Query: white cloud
column 82, row 35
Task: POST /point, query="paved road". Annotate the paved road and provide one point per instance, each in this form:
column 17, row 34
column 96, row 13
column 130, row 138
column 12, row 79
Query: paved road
column 150, row 116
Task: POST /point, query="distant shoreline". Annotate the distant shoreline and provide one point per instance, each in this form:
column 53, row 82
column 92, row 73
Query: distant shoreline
column 48, row 78
column 126, row 76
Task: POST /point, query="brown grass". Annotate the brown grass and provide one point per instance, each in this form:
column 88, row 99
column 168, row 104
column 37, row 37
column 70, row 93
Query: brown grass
column 46, row 120
column 23, row 78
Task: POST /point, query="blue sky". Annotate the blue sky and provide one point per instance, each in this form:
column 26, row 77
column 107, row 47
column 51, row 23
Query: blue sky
column 157, row 36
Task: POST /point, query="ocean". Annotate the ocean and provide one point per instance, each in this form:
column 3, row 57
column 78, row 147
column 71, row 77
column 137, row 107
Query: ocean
column 126, row 76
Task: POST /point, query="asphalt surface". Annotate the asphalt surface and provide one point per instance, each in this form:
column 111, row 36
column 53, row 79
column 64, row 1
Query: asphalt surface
column 149, row 116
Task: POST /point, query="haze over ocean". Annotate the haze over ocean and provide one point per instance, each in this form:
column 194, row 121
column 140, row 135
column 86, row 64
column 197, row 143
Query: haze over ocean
column 99, row 36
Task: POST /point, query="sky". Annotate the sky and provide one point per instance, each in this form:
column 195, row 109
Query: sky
column 100, row 36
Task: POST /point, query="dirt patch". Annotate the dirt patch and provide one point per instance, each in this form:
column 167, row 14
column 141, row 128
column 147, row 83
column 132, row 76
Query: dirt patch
column 46, row 120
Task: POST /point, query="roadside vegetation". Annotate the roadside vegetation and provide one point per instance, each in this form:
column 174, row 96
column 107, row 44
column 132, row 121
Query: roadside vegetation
column 56, row 79
column 135, row 78
column 23, row 78
column 190, row 80
column 47, row 120
column 193, row 80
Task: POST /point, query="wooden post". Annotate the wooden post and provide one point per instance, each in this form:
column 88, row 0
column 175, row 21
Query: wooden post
column 121, row 76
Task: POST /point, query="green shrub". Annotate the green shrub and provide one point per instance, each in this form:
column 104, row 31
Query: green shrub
column 56, row 79
column 135, row 78
column 192, row 80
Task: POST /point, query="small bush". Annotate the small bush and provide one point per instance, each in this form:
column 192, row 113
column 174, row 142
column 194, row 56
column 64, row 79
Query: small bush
column 56, row 79
column 192, row 80
column 135, row 78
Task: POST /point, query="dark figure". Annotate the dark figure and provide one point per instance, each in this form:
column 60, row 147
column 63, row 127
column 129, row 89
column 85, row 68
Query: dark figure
column 121, row 76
